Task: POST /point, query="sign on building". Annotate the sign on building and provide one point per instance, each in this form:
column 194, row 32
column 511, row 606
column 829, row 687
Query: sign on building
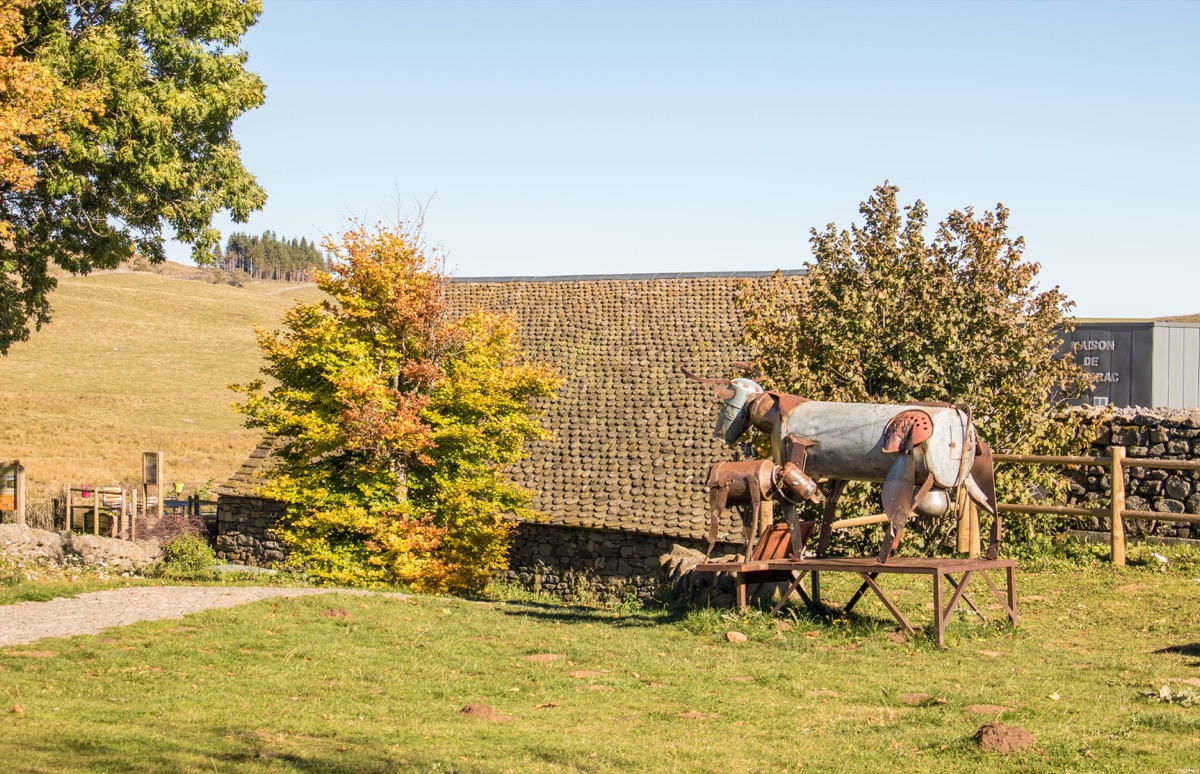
column 1150, row 363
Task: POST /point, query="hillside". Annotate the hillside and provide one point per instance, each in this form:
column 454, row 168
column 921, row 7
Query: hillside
column 136, row 361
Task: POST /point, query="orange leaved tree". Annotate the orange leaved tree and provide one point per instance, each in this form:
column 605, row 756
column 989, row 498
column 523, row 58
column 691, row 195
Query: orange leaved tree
column 395, row 421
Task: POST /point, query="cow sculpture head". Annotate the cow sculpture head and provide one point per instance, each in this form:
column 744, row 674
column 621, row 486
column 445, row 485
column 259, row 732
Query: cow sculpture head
column 736, row 395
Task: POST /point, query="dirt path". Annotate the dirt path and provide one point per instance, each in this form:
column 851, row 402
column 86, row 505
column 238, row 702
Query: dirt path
column 96, row 611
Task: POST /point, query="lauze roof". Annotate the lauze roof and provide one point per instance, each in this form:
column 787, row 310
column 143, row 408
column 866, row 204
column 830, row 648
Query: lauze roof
column 632, row 436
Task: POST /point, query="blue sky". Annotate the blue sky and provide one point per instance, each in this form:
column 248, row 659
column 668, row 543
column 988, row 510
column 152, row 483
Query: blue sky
column 573, row 137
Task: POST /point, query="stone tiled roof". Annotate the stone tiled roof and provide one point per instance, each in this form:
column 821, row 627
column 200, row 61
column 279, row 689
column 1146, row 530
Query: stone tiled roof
column 632, row 436
column 246, row 481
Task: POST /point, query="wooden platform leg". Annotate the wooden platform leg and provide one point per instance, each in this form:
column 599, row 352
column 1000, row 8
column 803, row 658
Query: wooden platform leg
column 793, row 587
column 960, row 590
column 1009, row 600
column 888, row 603
column 1011, row 577
column 740, row 582
column 815, row 584
column 939, row 622
column 857, row 595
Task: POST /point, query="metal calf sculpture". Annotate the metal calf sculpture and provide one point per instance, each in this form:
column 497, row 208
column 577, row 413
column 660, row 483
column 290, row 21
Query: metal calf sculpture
column 901, row 446
column 749, row 483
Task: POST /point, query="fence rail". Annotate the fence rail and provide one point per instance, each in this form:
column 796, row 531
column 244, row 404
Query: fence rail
column 1116, row 464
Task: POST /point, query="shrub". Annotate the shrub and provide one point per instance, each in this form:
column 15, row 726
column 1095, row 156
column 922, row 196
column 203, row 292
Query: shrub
column 187, row 557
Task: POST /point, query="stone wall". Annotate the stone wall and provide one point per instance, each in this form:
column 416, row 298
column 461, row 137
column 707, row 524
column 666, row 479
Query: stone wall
column 246, row 531
column 29, row 543
column 576, row 563
column 1147, row 433
column 569, row 562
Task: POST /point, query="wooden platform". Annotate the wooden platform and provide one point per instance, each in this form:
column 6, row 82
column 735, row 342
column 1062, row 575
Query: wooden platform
column 762, row 569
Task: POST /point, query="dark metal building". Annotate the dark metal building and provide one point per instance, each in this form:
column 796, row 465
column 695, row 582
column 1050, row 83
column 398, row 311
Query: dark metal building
column 1151, row 363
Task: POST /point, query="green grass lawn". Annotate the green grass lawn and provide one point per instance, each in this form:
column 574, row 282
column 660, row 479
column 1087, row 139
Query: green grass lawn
column 350, row 683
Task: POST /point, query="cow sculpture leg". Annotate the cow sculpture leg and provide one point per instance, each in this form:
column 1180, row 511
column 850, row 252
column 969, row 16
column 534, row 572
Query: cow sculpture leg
column 831, row 498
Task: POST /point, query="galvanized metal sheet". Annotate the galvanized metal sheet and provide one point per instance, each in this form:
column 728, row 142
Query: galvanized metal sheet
column 850, row 441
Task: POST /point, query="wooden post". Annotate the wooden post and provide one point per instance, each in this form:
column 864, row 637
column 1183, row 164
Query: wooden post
column 162, row 476
column 1117, row 505
column 133, row 516
column 973, row 518
column 95, row 511
column 67, row 507
column 20, row 494
column 964, row 520
column 121, row 515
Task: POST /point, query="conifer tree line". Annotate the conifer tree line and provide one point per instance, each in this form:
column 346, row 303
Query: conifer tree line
column 268, row 257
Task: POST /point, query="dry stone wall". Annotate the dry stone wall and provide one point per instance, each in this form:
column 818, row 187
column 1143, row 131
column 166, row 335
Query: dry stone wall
column 29, row 543
column 579, row 564
column 1147, row 433
column 246, row 531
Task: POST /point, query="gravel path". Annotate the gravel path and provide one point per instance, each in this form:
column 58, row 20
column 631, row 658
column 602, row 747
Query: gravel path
column 95, row 611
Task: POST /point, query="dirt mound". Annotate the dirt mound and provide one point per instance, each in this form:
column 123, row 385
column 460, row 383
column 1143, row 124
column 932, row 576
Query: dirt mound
column 999, row 738
column 483, row 712
column 988, row 709
column 543, row 658
column 335, row 612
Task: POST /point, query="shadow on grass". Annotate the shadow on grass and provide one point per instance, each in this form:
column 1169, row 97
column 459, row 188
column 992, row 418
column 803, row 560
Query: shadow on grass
column 651, row 615
column 1192, row 650
column 165, row 755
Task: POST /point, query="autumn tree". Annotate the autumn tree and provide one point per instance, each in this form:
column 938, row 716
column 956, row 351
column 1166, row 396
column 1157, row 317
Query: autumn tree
column 37, row 108
column 123, row 111
column 892, row 316
column 395, row 421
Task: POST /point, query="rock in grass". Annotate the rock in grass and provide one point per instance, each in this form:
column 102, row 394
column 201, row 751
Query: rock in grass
column 736, row 637
column 999, row 738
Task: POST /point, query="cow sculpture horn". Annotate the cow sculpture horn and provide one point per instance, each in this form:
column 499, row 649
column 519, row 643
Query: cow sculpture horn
column 706, row 379
column 749, row 368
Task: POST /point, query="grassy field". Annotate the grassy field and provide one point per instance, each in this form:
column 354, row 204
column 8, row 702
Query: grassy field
column 136, row 361
column 341, row 683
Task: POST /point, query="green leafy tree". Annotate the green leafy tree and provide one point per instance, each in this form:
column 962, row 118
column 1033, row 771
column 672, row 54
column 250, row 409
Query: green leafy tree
column 157, row 152
column 395, row 422
column 889, row 316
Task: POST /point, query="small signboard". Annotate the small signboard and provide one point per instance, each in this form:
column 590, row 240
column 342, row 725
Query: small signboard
column 152, row 468
column 8, row 487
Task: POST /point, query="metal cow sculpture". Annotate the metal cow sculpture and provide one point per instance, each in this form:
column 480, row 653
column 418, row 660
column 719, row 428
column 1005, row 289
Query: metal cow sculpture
column 750, row 483
column 933, row 445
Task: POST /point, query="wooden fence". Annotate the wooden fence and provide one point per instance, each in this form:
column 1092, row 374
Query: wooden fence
column 1116, row 463
column 123, row 512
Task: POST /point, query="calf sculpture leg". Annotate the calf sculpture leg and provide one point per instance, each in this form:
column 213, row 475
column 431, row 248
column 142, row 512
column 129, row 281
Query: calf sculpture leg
column 716, row 504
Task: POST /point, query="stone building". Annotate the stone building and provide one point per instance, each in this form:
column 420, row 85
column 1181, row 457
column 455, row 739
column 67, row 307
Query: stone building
column 620, row 482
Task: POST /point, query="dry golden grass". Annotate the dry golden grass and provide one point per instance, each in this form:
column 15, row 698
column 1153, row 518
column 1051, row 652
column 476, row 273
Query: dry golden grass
column 136, row 362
